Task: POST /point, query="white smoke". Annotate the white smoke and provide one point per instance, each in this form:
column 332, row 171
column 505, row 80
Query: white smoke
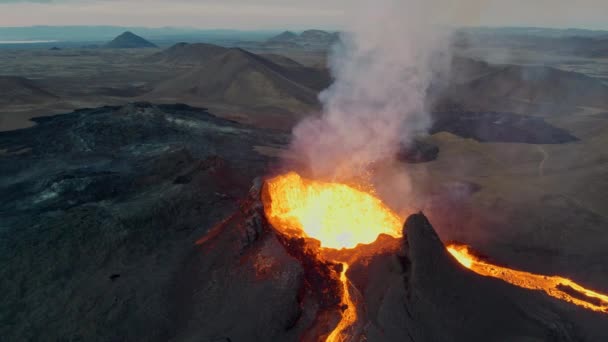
column 382, row 71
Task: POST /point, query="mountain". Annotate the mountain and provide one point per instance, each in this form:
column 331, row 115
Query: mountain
column 591, row 44
column 81, row 33
column 522, row 89
column 187, row 54
column 541, row 84
column 238, row 77
column 21, row 91
column 319, row 37
column 286, row 36
column 308, row 37
column 129, row 40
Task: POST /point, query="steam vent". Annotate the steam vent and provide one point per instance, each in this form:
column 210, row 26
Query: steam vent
column 292, row 264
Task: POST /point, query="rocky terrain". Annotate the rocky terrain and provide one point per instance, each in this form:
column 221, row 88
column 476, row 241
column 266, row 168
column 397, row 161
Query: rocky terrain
column 102, row 205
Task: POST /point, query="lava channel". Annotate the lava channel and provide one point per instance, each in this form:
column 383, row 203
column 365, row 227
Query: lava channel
column 340, row 216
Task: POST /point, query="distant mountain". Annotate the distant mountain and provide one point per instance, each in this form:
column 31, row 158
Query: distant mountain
column 187, row 54
column 286, row 36
column 479, row 86
column 590, row 44
column 105, row 33
column 129, row 40
column 21, row 91
column 239, row 77
column 308, row 37
column 542, row 84
column 319, row 36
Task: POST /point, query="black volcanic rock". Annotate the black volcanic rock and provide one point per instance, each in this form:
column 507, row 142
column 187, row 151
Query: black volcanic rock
column 418, row 151
column 139, row 222
column 95, row 195
column 446, row 302
column 129, row 40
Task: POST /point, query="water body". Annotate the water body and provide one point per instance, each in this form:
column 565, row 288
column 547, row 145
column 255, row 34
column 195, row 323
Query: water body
column 27, row 41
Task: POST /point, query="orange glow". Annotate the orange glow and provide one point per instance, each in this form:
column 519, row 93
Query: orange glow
column 349, row 315
column 337, row 215
column 554, row 286
column 342, row 217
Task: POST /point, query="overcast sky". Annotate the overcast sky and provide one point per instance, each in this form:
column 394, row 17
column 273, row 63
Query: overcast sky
column 290, row 14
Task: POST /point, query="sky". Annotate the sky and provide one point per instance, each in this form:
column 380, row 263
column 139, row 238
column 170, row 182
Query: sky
column 292, row 14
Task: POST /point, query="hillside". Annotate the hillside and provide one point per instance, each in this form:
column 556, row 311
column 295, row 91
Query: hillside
column 241, row 78
column 20, row 91
column 129, row 40
column 187, row 54
column 497, row 86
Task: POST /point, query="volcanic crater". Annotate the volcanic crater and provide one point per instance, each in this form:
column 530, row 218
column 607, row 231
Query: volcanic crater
column 274, row 279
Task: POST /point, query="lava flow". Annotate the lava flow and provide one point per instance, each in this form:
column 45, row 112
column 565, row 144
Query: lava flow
column 337, row 215
column 342, row 217
column 555, row 286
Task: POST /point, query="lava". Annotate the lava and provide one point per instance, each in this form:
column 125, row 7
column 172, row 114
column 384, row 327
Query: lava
column 337, row 215
column 554, row 286
column 349, row 316
column 340, row 216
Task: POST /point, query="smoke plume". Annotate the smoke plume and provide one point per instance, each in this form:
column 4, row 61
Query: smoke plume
column 390, row 51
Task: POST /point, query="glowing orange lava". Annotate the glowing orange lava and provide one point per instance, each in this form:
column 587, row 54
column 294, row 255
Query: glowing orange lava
column 337, row 215
column 340, row 216
column 554, row 286
column 349, row 315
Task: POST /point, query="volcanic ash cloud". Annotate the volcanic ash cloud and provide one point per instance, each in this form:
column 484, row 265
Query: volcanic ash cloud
column 389, row 53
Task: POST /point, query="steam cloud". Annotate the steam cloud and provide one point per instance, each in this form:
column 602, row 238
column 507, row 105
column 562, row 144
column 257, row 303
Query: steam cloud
column 382, row 70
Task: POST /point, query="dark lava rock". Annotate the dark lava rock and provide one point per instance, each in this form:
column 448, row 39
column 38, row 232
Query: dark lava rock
column 95, row 195
column 418, row 151
column 446, row 302
column 106, row 235
column 500, row 127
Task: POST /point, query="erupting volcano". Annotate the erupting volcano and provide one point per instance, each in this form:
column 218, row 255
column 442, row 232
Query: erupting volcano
column 337, row 215
column 342, row 219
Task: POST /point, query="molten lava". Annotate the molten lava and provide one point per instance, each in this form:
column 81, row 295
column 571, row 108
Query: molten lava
column 340, row 216
column 554, row 286
column 337, row 215
column 349, row 316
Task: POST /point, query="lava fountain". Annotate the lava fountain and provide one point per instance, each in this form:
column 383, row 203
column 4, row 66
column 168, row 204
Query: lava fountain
column 342, row 217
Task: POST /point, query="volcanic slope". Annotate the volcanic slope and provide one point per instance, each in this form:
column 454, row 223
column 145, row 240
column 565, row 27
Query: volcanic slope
column 20, row 91
column 241, row 78
column 129, row 40
column 503, row 86
column 182, row 54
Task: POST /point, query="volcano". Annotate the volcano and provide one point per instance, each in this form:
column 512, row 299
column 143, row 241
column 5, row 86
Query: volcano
column 297, row 261
column 239, row 77
column 129, row 40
